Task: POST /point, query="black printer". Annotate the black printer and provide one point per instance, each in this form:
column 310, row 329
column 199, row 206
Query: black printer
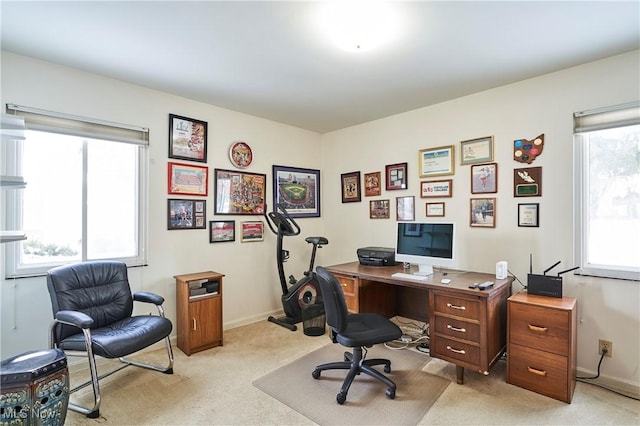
column 377, row 256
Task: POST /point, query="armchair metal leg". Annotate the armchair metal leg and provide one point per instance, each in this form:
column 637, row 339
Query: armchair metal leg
column 166, row 370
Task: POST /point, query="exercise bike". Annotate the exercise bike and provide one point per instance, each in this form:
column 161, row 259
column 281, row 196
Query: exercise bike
column 296, row 293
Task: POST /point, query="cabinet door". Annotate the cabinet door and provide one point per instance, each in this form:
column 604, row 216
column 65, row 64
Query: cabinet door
column 205, row 327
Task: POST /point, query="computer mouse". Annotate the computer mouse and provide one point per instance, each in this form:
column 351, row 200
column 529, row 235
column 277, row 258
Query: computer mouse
column 445, row 281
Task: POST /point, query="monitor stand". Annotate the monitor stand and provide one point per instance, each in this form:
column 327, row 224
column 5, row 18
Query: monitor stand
column 424, row 270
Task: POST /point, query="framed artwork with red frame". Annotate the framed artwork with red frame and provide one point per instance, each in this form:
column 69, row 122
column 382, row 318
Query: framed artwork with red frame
column 396, row 175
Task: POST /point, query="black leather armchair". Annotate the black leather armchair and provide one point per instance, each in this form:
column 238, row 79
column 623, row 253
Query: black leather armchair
column 92, row 308
column 357, row 331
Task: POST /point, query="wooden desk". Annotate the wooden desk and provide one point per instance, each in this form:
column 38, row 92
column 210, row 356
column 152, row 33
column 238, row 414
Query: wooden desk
column 468, row 327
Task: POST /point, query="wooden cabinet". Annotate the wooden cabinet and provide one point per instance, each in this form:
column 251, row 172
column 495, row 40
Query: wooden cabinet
column 469, row 331
column 541, row 344
column 199, row 316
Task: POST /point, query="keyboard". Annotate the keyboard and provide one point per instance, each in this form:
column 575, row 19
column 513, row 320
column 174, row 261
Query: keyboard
column 403, row 276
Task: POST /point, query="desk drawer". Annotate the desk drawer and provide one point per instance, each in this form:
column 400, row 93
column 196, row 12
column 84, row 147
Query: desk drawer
column 348, row 284
column 452, row 349
column 457, row 306
column 539, row 371
column 539, row 327
column 457, row 328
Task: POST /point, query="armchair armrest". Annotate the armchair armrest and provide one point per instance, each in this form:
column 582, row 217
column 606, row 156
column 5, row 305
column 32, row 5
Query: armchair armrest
column 147, row 297
column 74, row 318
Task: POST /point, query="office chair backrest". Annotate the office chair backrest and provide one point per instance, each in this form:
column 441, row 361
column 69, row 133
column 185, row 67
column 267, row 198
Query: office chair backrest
column 100, row 289
column 335, row 307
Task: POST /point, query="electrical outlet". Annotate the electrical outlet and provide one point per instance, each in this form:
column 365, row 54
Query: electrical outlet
column 605, row 344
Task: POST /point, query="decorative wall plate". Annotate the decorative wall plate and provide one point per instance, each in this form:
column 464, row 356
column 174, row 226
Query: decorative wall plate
column 240, row 155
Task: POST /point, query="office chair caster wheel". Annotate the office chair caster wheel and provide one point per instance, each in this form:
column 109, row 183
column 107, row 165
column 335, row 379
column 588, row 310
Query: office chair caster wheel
column 315, row 374
column 341, row 398
column 391, row 393
column 387, row 369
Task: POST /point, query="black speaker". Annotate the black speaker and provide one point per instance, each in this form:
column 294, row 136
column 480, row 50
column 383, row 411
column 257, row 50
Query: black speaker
column 544, row 285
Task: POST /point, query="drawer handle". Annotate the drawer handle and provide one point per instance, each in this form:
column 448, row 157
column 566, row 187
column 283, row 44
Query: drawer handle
column 536, row 371
column 537, row 329
column 458, row 351
column 461, row 330
column 343, row 284
column 462, row 308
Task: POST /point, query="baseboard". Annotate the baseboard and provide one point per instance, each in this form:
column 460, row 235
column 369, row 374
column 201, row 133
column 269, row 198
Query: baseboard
column 631, row 390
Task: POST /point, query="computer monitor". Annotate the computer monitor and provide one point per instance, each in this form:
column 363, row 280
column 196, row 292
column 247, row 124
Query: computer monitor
column 426, row 244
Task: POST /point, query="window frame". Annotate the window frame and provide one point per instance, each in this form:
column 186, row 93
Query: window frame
column 585, row 122
column 90, row 129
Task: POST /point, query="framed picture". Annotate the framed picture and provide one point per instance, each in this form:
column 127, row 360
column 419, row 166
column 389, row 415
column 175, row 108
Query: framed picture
column 396, row 176
column 475, row 151
column 379, row 209
column 527, row 182
column 186, row 214
column 372, row 184
column 222, row 230
column 482, row 213
column 187, row 138
column 436, row 188
column 528, row 215
column 435, row 209
column 350, row 187
column 405, row 208
column 187, row 179
column 436, row 161
column 484, row 178
column 252, row 231
column 297, row 190
column 239, row 192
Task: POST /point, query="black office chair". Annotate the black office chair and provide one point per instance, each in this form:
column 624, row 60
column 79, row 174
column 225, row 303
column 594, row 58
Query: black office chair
column 357, row 331
column 92, row 308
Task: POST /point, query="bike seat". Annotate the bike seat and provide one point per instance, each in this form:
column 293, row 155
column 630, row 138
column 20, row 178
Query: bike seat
column 317, row 241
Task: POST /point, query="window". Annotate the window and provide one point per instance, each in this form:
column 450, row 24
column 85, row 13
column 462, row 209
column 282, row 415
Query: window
column 85, row 194
column 607, row 189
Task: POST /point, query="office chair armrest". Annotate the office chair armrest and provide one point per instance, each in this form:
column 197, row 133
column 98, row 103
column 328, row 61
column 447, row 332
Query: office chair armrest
column 74, row 318
column 145, row 296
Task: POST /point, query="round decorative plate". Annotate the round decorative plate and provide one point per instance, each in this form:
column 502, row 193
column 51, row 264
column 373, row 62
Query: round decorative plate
column 241, row 155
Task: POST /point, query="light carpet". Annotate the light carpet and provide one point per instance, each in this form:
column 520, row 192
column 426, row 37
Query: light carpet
column 366, row 402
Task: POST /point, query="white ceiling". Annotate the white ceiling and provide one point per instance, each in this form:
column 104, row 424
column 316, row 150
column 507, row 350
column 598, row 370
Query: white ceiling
column 269, row 59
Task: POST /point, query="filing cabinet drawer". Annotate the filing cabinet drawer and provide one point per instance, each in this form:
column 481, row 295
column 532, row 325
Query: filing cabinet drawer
column 454, row 350
column 457, row 306
column 457, row 328
column 539, row 371
column 539, row 327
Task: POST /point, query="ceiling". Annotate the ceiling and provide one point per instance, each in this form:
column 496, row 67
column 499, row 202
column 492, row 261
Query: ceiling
column 269, row 58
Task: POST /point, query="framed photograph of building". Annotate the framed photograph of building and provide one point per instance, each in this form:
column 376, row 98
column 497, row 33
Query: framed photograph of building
column 188, row 179
column 297, row 190
column 222, row 230
column 379, row 209
column 252, row 231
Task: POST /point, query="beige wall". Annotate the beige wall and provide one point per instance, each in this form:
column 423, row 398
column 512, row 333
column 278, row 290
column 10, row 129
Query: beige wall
column 608, row 309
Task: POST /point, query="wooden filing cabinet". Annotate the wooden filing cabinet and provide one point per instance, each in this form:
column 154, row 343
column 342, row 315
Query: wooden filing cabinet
column 199, row 318
column 541, row 344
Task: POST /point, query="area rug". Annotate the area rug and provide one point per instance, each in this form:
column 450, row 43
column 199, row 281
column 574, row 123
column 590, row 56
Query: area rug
column 366, row 402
